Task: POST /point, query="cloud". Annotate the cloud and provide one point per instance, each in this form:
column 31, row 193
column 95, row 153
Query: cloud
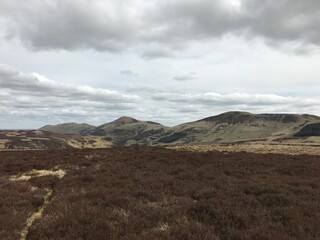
column 70, row 25
column 34, row 95
column 186, row 77
column 37, row 85
column 117, row 25
column 276, row 21
column 152, row 54
column 254, row 102
column 129, row 73
column 145, row 90
column 188, row 109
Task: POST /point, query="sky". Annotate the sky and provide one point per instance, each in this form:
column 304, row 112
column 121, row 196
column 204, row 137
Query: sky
column 172, row 62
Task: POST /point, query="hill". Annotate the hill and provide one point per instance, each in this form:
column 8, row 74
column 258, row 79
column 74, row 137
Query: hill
column 130, row 131
column 20, row 139
column 28, row 139
column 68, row 128
column 238, row 126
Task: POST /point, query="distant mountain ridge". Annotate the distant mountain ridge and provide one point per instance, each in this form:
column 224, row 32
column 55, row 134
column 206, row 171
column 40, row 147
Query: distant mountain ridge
column 240, row 117
column 68, row 128
column 224, row 128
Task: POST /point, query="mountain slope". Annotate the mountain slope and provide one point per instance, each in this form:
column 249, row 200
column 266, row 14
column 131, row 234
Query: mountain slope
column 68, row 128
column 309, row 130
column 237, row 126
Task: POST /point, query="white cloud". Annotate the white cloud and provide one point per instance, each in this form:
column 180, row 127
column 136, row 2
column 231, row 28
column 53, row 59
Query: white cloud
column 129, row 73
column 250, row 102
column 37, row 85
column 33, row 95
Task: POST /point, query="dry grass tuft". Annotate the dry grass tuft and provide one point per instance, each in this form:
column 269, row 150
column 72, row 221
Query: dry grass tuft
column 38, row 173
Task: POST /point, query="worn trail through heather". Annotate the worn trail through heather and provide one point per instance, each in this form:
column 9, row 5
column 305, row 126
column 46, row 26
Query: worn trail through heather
column 37, row 214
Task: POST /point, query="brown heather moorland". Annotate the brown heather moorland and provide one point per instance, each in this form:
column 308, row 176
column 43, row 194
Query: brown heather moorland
column 156, row 193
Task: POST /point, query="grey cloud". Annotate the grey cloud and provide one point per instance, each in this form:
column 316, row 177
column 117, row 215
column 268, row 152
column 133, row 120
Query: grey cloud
column 157, row 53
column 187, row 77
column 285, row 20
column 291, row 20
column 117, row 25
column 70, row 25
column 184, row 20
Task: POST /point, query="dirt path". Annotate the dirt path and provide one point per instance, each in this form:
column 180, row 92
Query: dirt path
column 38, row 214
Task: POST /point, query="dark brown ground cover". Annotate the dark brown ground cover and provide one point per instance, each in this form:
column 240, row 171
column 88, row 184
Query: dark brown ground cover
column 155, row 193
